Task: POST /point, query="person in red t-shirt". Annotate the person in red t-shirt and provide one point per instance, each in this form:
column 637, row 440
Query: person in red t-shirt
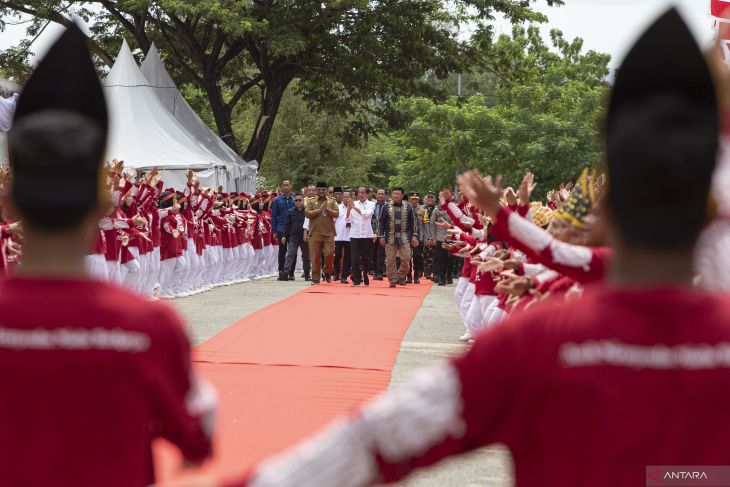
column 94, row 372
column 592, row 392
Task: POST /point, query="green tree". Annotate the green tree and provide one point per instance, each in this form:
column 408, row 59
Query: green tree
column 14, row 63
column 306, row 148
column 354, row 57
column 543, row 119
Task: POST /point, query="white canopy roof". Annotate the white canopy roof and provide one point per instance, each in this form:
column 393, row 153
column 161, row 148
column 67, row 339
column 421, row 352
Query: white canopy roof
column 7, row 85
column 168, row 94
column 3, row 148
column 7, row 110
column 142, row 132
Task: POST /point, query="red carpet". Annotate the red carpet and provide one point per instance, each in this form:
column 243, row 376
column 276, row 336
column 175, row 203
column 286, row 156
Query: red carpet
column 287, row 370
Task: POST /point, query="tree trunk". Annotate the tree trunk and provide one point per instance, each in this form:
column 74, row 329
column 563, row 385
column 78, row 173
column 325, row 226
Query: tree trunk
column 221, row 115
column 274, row 92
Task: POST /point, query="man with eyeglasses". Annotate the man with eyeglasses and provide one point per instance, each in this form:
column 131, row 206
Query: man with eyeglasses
column 294, row 239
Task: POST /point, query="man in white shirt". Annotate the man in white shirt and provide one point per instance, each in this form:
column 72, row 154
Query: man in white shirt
column 361, row 235
column 342, row 239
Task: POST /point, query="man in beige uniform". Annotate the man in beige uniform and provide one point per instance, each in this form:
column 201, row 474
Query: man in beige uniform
column 322, row 212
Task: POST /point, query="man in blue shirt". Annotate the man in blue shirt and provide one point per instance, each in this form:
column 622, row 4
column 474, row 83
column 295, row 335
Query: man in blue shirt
column 279, row 209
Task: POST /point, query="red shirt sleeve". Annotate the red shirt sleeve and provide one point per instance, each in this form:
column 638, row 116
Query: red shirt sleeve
column 584, row 264
column 171, row 375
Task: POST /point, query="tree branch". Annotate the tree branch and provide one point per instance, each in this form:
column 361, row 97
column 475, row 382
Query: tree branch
column 176, row 54
column 56, row 17
column 217, row 45
column 240, row 92
column 233, row 50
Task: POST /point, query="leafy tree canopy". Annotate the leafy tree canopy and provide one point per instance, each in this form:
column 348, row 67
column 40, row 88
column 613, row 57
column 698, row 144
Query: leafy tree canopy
column 355, row 57
column 543, row 118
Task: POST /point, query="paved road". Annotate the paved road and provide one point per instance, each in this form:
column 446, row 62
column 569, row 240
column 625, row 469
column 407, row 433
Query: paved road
column 432, row 335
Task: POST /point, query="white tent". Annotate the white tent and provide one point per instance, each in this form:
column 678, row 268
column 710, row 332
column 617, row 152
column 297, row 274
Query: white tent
column 3, row 148
column 9, row 86
column 143, row 133
column 156, row 74
column 7, row 109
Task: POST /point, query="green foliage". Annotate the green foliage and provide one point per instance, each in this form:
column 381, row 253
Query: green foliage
column 353, row 58
column 14, row 63
column 305, row 148
column 543, row 118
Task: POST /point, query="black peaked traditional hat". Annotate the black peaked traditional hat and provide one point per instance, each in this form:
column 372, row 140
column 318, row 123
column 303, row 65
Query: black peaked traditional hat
column 665, row 59
column 63, row 87
column 65, row 80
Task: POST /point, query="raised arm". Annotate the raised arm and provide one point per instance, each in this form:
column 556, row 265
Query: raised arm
column 584, row 264
column 312, row 210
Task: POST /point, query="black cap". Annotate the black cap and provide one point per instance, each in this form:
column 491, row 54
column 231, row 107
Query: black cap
column 337, row 189
column 59, row 136
column 665, row 59
column 321, row 184
column 65, row 80
column 661, row 139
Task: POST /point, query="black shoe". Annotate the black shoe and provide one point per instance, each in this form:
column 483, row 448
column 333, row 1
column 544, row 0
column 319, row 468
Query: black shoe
column 344, row 280
column 355, row 284
column 292, row 278
column 417, row 280
column 392, row 284
column 306, row 277
column 449, row 281
column 328, row 278
column 441, row 281
column 402, row 282
column 378, row 278
column 282, row 277
column 409, row 280
column 314, row 283
column 367, row 281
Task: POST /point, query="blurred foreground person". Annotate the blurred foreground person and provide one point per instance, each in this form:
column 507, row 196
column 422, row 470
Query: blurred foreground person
column 93, row 372
column 591, row 392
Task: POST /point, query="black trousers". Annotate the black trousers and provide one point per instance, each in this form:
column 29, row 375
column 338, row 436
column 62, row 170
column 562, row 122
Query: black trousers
column 361, row 255
column 427, row 253
column 416, row 269
column 458, row 265
column 378, row 262
column 282, row 252
column 342, row 259
column 443, row 261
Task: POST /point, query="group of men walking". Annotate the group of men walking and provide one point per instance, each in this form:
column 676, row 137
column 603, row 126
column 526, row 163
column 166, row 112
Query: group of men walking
column 348, row 236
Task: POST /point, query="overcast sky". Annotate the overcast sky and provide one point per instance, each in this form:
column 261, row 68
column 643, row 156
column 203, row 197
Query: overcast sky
column 613, row 25
column 605, row 25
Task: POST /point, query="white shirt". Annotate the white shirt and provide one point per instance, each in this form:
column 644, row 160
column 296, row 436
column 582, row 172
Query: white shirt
column 343, row 233
column 361, row 223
